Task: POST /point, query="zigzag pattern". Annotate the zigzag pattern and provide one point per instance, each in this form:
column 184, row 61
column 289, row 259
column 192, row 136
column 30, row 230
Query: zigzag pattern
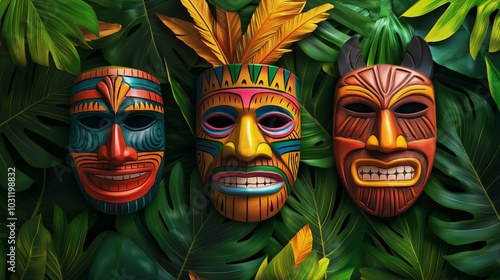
column 144, row 106
column 87, row 107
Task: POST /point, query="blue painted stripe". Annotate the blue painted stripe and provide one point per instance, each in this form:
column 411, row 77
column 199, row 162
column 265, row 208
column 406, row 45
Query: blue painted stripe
column 136, row 83
column 208, row 146
column 287, row 146
column 248, row 191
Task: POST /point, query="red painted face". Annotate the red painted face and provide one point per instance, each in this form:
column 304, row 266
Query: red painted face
column 384, row 136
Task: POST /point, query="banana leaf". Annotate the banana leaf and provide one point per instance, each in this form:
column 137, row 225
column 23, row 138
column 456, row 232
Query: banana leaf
column 48, row 28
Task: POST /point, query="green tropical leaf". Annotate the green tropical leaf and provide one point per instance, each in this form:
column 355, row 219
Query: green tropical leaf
column 452, row 18
column 31, row 250
column 193, row 235
column 47, row 27
column 233, row 5
column 144, row 40
column 66, row 258
column 336, row 223
column 415, row 252
column 468, row 157
column 33, row 119
column 120, row 258
column 316, row 99
column 493, row 80
column 453, row 52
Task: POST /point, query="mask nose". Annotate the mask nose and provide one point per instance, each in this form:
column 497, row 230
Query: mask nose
column 246, row 141
column 387, row 137
column 115, row 151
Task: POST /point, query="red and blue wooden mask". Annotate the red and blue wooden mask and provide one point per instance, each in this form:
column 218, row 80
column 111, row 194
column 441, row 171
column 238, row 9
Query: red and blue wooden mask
column 117, row 138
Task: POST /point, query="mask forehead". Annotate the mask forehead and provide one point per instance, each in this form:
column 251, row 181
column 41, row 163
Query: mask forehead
column 257, row 143
column 117, row 137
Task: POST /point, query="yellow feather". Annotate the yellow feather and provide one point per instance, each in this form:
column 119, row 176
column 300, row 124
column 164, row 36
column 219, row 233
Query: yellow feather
column 204, row 23
column 188, row 34
column 267, row 18
column 291, row 31
column 228, row 30
column 302, row 244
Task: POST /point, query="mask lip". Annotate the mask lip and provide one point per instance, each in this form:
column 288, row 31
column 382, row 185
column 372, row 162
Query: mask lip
column 274, row 188
column 413, row 162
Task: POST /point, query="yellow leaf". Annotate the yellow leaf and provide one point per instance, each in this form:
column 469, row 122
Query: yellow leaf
column 480, row 27
column 228, row 30
column 204, row 23
column 105, row 29
column 302, row 244
column 188, row 34
column 291, row 31
column 495, row 35
column 265, row 21
column 194, row 276
column 423, row 7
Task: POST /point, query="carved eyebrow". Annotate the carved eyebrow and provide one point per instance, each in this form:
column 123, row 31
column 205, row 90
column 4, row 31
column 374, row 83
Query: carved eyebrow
column 422, row 90
column 351, row 90
column 90, row 106
column 145, row 106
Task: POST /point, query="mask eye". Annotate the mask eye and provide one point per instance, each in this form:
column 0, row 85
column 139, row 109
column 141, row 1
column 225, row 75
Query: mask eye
column 218, row 125
column 276, row 124
column 139, row 121
column 411, row 109
column 359, row 108
column 220, row 122
column 94, row 122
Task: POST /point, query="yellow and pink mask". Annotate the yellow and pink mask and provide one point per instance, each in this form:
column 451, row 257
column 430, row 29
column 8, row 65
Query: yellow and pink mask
column 248, row 138
column 385, row 128
column 117, row 138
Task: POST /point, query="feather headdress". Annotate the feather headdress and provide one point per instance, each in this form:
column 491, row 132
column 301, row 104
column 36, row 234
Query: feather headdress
column 274, row 26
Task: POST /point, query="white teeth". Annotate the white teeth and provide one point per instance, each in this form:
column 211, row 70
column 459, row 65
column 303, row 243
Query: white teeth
column 374, row 173
column 247, row 182
column 120, row 177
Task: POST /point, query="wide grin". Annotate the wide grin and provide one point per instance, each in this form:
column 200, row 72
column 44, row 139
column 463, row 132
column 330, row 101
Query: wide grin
column 118, row 179
column 247, row 183
column 403, row 172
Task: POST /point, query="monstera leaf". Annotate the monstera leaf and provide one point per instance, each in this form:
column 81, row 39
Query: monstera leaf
column 33, row 119
column 453, row 17
column 468, row 159
column 415, row 252
column 316, row 99
column 47, row 27
column 144, row 40
column 187, row 234
column 336, row 223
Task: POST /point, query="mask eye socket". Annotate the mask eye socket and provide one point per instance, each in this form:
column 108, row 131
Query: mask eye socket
column 412, row 109
column 276, row 124
column 359, row 108
column 94, row 122
column 218, row 125
column 138, row 121
column 220, row 122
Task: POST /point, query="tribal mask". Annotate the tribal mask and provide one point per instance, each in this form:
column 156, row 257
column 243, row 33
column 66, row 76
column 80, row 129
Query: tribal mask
column 248, row 138
column 117, row 138
column 385, row 128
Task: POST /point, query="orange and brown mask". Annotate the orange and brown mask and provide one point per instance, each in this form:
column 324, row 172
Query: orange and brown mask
column 385, row 128
column 117, row 138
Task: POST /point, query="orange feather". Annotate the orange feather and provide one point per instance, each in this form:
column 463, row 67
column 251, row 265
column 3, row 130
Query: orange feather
column 265, row 21
column 204, row 23
column 228, row 30
column 291, row 31
column 188, row 34
column 302, row 244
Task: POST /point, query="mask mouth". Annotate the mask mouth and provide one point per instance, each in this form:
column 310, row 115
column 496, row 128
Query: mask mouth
column 247, row 183
column 401, row 172
column 117, row 179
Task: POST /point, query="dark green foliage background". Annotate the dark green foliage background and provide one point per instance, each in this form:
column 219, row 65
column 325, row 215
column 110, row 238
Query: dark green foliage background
column 452, row 232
